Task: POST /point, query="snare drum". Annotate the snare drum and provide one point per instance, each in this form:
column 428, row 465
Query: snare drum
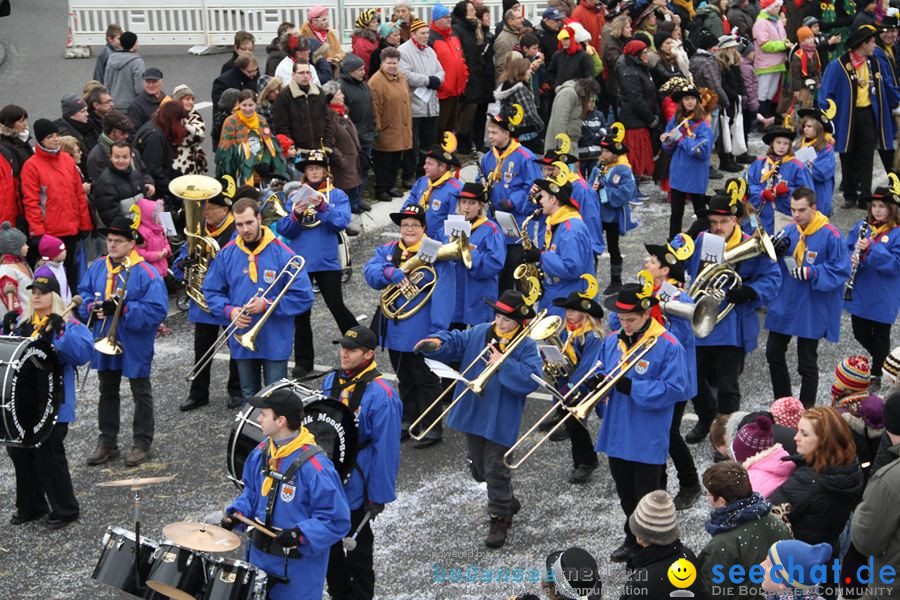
column 234, row 580
column 177, row 572
column 31, row 388
column 116, row 565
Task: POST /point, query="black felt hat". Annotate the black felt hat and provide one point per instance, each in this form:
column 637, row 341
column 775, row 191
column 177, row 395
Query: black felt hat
column 563, row 192
column 412, row 211
column 628, row 301
column 575, row 301
column 512, row 304
column 667, row 259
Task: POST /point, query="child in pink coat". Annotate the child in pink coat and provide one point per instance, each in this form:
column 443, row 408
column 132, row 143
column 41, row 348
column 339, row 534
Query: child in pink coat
column 155, row 249
column 754, row 446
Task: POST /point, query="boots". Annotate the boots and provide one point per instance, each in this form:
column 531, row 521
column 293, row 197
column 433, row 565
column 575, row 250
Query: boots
column 615, row 279
column 496, row 537
column 727, row 163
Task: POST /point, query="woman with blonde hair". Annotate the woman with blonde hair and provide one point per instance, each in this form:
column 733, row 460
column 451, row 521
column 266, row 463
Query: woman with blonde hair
column 269, row 88
column 815, row 131
column 729, row 61
column 515, row 89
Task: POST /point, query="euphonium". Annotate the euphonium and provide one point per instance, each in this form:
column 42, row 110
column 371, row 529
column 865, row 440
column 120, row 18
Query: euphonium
column 702, row 316
column 195, row 191
column 547, row 332
column 270, row 207
column 416, row 271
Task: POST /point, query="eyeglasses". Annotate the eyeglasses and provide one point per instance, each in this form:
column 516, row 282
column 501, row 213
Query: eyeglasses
column 411, row 226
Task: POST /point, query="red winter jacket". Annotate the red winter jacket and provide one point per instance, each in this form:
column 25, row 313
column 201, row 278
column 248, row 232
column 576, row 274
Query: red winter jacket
column 592, row 19
column 450, row 54
column 54, row 199
column 9, row 193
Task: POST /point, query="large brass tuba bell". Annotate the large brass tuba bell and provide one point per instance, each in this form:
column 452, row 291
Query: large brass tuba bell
column 195, row 191
column 547, row 332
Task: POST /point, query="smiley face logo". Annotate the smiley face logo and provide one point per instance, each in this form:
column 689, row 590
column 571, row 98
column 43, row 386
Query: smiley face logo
column 682, row 573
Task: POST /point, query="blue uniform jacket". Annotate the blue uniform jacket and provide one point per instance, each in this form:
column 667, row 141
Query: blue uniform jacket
column 689, row 169
column 318, row 245
column 636, row 427
column 195, row 313
column 510, row 193
column 615, row 198
column 146, row 306
column 588, row 205
column 441, row 203
column 741, row 327
column 317, row 507
column 812, row 309
column 378, row 419
column 792, row 172
column 837, row 85
column 74, row 347
column 564, row 262
column 481, row 281
column 587, row 351
column 876, row 292
column 822, row 173
column 497, row 413
column 228, row 285
column 403, row 335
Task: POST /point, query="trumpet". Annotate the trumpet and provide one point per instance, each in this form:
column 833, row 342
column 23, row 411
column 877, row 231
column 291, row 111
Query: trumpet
column 583, row 409
column 477, row 385
column 291, row 270
column 110, row 345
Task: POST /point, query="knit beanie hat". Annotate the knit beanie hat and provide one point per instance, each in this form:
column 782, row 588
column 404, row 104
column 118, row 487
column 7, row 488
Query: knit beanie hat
column 864, row 414
column 753, row 438
column 804, row 33
column 439, row 11
column 228, row 99
column 851, row 376
column 11, row 239
column 706, row 40
column 890, row 413
column 317, row 10
column 50, row 247
column 387, row 28
column 892, row 365
column 660, row 37
column 128, row 40
column 351, row 63
column 181, row 90
column 365, row 17
column 42, row 128
column 795, row 553
column 654, row 519
column 787, row 411
column 764, row 4
column 416, row 24
column 71, row 104
column 634, row 48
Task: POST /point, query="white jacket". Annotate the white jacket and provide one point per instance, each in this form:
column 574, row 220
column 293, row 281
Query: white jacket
column 417, row 66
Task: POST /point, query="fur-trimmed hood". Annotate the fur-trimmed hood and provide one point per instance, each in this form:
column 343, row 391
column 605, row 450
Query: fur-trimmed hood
column 501, row 94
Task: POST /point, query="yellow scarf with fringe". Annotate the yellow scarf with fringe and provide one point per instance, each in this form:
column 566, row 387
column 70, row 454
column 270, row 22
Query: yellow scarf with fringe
column 576, row 334
column 304, row 437
column 818, row 222
column 426, row 195
column 500, row 158
column 504, row 338
column 113, row 270
column 347, row 391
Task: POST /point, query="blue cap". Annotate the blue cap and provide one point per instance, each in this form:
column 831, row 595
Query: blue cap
column 439, row 11
column 794, row 561
column 554, row 14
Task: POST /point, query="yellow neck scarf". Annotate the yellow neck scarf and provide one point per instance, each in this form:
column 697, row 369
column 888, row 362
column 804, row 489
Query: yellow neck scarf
column 407, row 252
column 38, row 323
column 655, row 329
column 267, row 238
column 218, row 230
column 576, row 334
column 769, row 169
column 113, row 270
column 500, row 158
column 423, row 201
column 737, row 236
column 817, row 223
column 504, row 338
column 876, row 232
column 478, row 222
column 562, row 215
column 346, row 391
column 276, row 454
column 250, row 122
column 622, row 160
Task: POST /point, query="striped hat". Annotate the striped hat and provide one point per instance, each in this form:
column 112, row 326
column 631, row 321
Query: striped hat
column 365, row 17
column 892, row 365
column 851, row 376
column 416, row 23
column 654, row 519
column 753, row 438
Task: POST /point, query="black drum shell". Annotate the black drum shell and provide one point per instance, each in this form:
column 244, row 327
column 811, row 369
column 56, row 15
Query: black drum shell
column 32, row 387
column 179, row 568
column 115, row 566
column 234, row 580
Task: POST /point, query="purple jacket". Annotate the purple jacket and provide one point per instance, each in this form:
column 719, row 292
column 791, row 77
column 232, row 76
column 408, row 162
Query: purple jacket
column 751, row 82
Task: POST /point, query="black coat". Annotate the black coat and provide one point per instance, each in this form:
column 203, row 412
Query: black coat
column 158, row 155
column 232, row 78
column 111, row 188
column 274, row 55
column 820, row 502
column 648, row 572
column 565, row 67
column 465, row 31
column 20, row 151
column 548, row 41
column 82, row 132
column 734, row 86
column 303, row 118
column 488, row 82
column 358, row 98
column 142, row 109
column 637, row 94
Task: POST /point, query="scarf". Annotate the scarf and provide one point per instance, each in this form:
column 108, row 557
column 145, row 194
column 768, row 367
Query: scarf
column 37, row 325
column 622, row 160
column 344, row 377
column 418, row 45
column 500, row 158
column 560, row 216
column 409, row 251
column 504, row 338
column 726, row 518
column 478, row 222
column 12, row 259
column 249, row 122
column 771, row 167
column 340, row 109
column 321, row 34
column 576, row 333
column 221, row 228
column 267, row 238
column 275, row 455
column 650, row 328
column 877, row 230
column 737, row 236
column 817, row 223
column 112, row 271
column 426, row 195
column 857, row 60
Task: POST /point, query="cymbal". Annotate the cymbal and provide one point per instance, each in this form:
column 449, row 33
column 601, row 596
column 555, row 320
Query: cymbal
column 136, row 481
column 202, row 537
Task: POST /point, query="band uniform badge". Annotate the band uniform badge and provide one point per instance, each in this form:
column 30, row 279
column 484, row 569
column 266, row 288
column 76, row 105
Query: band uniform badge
column 269, row 275
column 288, row 492
column 641, row 366
column 616, row 178
column 811, row 256
column 435, row 204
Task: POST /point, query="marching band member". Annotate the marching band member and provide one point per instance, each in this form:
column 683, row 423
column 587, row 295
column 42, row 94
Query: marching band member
column 491, row 421
column 372, row 483
column 614, row 181
column 146, row 304
column 721, row 354
column 509, row 169
column 808, row 302
column 488, row 246
column 772, row 178
column 418, row 385
column 219, row 226
column 584, row 336
column 817, row 130
column 565, row 252
column 292, row 487
column 241, row 271
column 875, row 299
column 42, row 474
column 437, row 189
column 15, row 275
column 637, row 414
column 318, row 245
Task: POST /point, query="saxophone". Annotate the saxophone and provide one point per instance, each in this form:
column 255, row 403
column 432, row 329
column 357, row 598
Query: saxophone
column 529, row 275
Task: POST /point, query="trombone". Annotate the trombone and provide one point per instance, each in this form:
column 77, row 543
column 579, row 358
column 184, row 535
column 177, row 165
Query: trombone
column 109, row 344
column 291, row 270
column 477, row 385
column 583, row 409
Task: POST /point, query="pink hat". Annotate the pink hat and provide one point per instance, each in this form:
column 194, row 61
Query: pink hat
column 787, row 411
column 50, row 247
column 764, row 4
column 753, row 438
column 317, row 10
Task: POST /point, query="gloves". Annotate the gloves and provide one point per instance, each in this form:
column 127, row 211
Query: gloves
column 57, row 324
column 289, row 538
column 781, row 189
column 802, row 273
column 741, row 294
column 768, row 195
column 227, row 522
column 108, row 307
column 397, row 276
column 782, row 245
column 434, row 82
column 531, row 255
column 427, row 345
column 9, row 321
column 374, row 509
column 624, row 385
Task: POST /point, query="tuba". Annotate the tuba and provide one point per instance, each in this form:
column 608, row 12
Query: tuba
column 195, row 191
column 416, row 271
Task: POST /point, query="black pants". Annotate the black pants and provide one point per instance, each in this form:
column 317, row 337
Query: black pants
column 513, row 260
column 582, row 445
column 386, row 166
column 424, row 135
column 718, row 367
column 680, row 453
column 108, row 410
column 875, row 337
column 678, row 200
column 204, row 337
column 612, row 242
column 351, row 576
column 330, row 286
column 857, row 162
column 633, row 480
column 807, row 366
column 478, row 124
column 418, row 386
column 42, row 477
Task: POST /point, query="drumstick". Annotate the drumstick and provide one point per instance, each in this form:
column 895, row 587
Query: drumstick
column 253, row 523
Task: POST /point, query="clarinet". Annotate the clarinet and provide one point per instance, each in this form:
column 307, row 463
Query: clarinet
column 848, row 288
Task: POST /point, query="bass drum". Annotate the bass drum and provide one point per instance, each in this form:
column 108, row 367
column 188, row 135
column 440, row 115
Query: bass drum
column 331, row 422
column 31, row 388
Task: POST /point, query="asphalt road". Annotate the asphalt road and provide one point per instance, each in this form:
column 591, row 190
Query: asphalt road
column 430, row 541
